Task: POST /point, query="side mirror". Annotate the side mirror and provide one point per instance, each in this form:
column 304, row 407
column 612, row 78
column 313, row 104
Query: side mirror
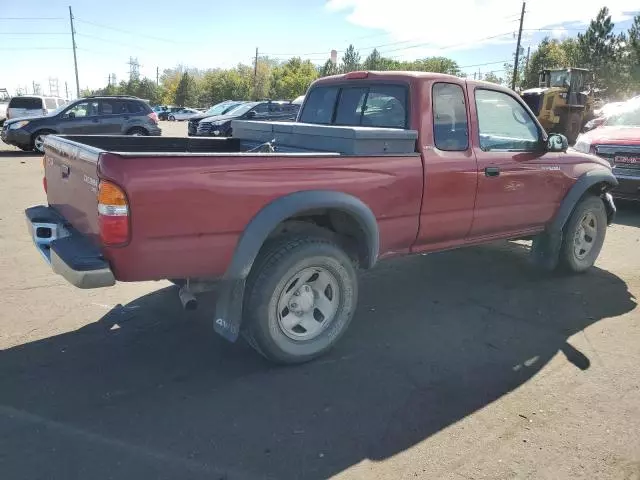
column 557, row 143
column 71, row 115
column 251, row 114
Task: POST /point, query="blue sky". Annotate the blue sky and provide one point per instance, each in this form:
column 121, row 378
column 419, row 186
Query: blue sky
column 36, row 45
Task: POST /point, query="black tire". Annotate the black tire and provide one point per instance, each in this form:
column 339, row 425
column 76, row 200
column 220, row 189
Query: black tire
column 274, row 267
column 137, row 131
column 172, row 118
column 37, row 145
column 589, row 211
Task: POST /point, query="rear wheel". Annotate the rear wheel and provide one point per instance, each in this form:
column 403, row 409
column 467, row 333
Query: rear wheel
column 584, row 235
column 138, row 132
column 301, row 296
column 172, row 118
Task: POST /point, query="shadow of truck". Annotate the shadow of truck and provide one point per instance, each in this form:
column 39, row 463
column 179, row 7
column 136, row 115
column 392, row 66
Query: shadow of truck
column 145, row 393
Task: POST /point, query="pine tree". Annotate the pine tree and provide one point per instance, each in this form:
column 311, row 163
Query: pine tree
column 350, row 60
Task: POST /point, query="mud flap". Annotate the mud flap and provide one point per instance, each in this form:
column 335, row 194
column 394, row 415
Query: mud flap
column 545, row 250
column 228, row 312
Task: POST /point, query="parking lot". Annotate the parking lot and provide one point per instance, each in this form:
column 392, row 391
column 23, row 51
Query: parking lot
column 468, row 364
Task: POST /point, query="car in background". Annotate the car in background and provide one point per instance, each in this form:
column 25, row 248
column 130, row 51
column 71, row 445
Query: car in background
column 218, row 109
column 164, row 113
column 618, row 141
column 298, row 100
column 183, row 114
column 96, row 115
column 220, row 125
column 32, row 106
column 4, row 102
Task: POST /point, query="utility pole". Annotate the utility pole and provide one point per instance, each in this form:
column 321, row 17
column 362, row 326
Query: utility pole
column 157, row 75
column 75, row 58
column 255, row 67
column 515, row 64
column 109, row 80
column 66, row 91
column 526, row 65
column 255, row 76
column 33, row 84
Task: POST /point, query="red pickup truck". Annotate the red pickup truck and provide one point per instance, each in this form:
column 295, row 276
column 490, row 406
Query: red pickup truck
column 395, row 163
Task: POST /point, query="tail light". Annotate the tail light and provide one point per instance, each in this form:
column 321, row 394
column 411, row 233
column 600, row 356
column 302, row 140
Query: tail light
column 113, row 214
column 44, row 111
column 44, row 174
column 153, row 116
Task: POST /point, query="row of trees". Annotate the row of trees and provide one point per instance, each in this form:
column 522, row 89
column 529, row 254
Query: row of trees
column 613, row 58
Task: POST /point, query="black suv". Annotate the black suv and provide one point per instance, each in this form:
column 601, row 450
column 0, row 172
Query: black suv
column 99, row 115
column 220, row 125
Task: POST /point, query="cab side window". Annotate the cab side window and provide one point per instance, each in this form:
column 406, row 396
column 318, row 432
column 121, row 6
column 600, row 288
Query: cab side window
column 450, row 126
column 83, row 109
column 503, row 123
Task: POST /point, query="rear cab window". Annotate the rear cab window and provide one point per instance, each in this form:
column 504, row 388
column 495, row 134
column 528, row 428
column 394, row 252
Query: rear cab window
column 28, row 103
column 370, row 105
column 50, row 103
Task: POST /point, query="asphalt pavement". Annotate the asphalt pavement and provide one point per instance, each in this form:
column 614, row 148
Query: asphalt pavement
column 468, row 364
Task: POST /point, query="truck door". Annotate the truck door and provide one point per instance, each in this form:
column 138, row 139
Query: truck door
column 517, row 189
column 450, row 171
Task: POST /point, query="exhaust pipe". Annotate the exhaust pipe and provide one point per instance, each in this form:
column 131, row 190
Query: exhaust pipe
column 187, row 298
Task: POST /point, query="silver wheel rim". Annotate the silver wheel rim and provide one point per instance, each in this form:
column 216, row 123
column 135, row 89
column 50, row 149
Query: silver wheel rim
column 585, row 236
column 136, row 134
column 308, row 303
column 39, row 142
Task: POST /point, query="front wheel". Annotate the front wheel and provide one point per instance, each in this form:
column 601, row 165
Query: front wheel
column 38, row 141
column 584, row 235
column 300, row 298
column 172, row 118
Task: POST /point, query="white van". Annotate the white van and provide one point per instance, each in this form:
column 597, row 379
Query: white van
column 32, row 106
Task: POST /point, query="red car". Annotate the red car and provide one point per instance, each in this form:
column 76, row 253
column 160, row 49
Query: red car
column 618, row 141
column 378, row 165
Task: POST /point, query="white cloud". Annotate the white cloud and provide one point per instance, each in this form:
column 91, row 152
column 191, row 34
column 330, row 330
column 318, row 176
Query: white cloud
column 468, row 23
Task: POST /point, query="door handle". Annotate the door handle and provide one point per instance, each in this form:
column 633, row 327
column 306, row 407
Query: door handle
column 95, row 120
column 65, row 170
column 492, row 171
column 126, row 117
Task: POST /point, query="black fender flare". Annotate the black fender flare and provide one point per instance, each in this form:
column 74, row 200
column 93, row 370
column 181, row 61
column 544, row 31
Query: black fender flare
column 546, row 246
column 231, row 288
column 577, row 191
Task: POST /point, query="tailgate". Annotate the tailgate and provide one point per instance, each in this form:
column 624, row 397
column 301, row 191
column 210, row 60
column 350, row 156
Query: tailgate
column 72, row 183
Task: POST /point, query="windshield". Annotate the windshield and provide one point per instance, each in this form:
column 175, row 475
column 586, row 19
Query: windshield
column 221, row 108
column 630, row 117
column 242, row 108
column 57, row 110
column 559, row 79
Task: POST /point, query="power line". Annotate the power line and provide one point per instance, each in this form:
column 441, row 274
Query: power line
column 32, row 18
column 34, row 48
column 34, row 33
column 110, row 41
column 127, row 31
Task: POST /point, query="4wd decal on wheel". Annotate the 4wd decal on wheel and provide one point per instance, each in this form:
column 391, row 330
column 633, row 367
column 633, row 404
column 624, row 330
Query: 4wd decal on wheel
column 223, row 324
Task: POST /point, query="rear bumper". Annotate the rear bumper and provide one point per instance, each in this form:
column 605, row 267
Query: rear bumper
column 69, row 253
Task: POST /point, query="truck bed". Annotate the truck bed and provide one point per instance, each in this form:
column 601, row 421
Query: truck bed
column 196, row 195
